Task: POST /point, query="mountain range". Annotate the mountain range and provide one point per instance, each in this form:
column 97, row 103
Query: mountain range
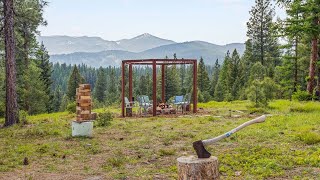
column 95, row 51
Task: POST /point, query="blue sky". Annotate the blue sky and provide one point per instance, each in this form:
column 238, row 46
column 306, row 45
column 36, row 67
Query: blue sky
column 215, row 21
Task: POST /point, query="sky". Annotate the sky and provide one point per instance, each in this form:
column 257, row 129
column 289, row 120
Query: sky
column 215, row 21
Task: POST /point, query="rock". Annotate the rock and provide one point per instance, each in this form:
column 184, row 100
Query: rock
column 238, row 173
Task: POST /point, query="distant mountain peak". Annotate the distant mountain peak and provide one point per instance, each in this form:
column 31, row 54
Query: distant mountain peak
column 144, row 35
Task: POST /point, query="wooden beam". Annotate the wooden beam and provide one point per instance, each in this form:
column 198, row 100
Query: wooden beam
column 122, row 89
column 195, row 94
column 163, row 83
column 130, row 82
column 154, row 89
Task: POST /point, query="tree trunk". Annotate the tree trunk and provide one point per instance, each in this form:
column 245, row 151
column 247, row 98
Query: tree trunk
column 295, row 82
column 318, row 50
column 192, row 168
column 312, row 67
column 11, row 94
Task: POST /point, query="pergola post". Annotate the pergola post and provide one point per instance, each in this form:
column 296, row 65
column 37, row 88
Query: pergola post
column 122, row 88
column 195, row 94
column 162, row 83
column 154, row 89
column 130, row 82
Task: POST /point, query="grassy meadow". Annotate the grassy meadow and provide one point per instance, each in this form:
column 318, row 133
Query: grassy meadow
column 286, row 146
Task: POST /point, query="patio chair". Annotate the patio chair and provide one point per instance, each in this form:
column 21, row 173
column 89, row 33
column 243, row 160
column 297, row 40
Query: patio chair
column 178, row 101
column 186, row 101
column 127, row 103
column 144, row 103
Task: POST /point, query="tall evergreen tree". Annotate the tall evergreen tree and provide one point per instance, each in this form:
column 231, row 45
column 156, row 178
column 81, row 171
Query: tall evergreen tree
column 112, row 93
column 203, row 78
column 11, row 116
column 142, row 87
column 303, row 20
column 235, row 75
column 215, row 77
column 45, row 74
column 183, row 78
column 28, row 17
column 101, row 85
column 57, row 99
column 172, row 82
column 36, row 95
column 222, row 89
column 292, row 30
column 74, row 80
column 262, row 34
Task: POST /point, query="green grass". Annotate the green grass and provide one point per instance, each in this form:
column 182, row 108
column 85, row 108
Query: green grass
column 286, row 146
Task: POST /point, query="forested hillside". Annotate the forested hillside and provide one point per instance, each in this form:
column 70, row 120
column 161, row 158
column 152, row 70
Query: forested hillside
column 265, row 71
column 194, row 50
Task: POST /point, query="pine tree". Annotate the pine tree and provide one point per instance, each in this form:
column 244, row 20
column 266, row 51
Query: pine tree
column 262, row 34
column 149, row 86
column 246, row 62
column 215, row 77
column 57, row 99
column 234, row 71
column 291, row 29
column 182, row 78
column 11, row 116
column 74, row 80
column 222, row 89
column 303, row 21
column 28, row 17
column 219, row 91
column 36, row 95
column 203, row 78
column 172, row 82
column 257, row 72
column 45, row 74
column 112, row 93
column 142, row 87
column 101, row 85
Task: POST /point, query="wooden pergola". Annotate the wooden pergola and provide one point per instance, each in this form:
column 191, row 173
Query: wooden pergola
column 154, row 63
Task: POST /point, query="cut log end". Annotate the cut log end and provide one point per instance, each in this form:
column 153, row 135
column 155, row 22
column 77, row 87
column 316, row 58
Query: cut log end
column 191, row 167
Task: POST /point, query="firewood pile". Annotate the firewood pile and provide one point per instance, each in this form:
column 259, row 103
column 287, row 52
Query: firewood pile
column 84, row 103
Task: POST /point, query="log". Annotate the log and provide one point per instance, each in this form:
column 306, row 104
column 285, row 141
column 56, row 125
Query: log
column 84, row 86
column 93, row 116
column 193, row 168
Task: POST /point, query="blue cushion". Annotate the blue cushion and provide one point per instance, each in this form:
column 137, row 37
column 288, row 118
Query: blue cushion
column 178, row 99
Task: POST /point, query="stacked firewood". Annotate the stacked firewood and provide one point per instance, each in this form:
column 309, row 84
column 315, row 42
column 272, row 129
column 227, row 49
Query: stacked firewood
column 83, row 96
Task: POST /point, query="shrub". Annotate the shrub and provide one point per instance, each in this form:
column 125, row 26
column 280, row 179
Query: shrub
column 261, row 92
column 206, row 96
column 309, row 138
column 302, row 96
column 23, row 117
column 104, row 119
column 71, row 107
column 200, row 97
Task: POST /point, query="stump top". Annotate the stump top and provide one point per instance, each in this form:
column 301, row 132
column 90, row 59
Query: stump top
column 195, row 160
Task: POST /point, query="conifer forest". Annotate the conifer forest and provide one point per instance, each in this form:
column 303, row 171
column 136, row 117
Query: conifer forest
column 278, row 73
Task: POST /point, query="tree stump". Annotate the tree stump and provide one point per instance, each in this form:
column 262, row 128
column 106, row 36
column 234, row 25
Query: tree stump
column 193, row 168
